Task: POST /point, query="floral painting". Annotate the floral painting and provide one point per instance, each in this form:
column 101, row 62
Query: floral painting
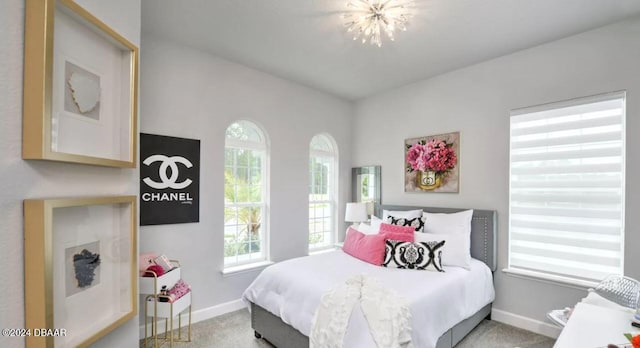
column 432, row 163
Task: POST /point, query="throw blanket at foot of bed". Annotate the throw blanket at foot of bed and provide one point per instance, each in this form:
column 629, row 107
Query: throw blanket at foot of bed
column 386, row 313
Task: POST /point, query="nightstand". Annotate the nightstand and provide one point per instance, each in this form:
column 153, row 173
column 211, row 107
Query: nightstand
column 155, row 309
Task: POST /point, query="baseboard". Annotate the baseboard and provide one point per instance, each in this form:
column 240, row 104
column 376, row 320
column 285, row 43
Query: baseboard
column 508, row 318
column 202, row 314
column 525, row 323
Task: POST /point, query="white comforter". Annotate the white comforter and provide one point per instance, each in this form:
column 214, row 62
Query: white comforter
column 292, row 290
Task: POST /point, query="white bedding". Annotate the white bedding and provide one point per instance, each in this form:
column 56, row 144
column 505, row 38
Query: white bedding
column 292, row 290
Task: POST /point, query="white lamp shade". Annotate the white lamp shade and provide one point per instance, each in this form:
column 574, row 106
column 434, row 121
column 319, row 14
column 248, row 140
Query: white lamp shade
column 356, row 212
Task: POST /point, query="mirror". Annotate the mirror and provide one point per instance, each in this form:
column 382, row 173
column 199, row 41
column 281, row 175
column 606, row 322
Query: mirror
column 366, row 186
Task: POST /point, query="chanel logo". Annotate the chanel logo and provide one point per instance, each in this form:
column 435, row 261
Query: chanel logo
column 167, row 163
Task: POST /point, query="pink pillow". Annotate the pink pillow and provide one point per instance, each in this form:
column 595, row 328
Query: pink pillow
column 404, row 237
column 384, row 228
column 366, row 247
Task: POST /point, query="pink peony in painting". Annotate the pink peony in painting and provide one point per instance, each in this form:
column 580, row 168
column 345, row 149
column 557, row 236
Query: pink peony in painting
column 432, row 163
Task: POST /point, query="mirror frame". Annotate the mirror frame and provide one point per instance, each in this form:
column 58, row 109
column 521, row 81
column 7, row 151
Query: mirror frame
column 356, row 185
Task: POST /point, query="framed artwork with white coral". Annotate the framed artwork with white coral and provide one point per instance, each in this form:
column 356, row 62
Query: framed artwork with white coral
column 80, row 88
column 432, row 163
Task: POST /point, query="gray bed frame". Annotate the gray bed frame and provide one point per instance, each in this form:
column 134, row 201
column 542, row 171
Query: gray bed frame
column 483, row 247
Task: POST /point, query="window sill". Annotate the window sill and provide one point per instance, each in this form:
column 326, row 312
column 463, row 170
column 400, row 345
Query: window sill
column 551, row 279
column 229, row 271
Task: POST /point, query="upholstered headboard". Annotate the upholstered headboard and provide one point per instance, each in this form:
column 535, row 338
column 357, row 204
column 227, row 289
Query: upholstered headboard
column 483, row 230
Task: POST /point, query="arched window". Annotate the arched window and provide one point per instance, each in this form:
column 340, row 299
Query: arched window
column 323, row 163
column 245, row 194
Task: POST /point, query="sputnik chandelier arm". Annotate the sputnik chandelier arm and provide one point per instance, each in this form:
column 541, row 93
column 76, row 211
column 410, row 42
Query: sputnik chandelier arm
column 368, row 19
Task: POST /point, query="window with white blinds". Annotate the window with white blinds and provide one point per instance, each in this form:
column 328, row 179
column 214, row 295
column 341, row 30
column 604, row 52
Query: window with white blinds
column 567, row 188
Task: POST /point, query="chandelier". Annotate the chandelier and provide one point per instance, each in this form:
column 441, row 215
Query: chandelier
column 368, row 19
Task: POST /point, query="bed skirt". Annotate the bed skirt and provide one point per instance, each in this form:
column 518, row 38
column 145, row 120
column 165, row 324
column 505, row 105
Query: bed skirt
column 282, row 335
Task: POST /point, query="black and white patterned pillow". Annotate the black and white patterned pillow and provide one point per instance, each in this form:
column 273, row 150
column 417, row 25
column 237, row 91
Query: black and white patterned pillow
column 416, row 223
column 417, row 255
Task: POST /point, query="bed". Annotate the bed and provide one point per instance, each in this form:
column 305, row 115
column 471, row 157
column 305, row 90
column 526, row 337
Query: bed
column 283, row 298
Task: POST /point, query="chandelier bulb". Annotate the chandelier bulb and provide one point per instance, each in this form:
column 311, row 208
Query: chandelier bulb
column 370, row 18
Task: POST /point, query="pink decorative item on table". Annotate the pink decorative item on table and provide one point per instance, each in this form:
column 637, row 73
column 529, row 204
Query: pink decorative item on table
column 157, row 269
column 177, row 291
column 145, row 260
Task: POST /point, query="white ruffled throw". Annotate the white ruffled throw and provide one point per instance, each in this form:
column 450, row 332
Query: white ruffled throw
column 386, row 312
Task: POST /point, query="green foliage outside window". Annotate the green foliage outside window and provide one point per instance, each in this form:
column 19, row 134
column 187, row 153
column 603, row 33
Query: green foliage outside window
column 243, row 184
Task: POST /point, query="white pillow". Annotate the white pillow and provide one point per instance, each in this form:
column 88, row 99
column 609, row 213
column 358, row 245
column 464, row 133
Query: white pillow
column 367, row 229
column 375, row 223
column 416, row 223
column 407, row 214
column 454, row 223
column 456, row 249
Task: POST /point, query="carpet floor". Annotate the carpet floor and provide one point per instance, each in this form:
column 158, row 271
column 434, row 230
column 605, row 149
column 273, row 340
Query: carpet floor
column 233, row 330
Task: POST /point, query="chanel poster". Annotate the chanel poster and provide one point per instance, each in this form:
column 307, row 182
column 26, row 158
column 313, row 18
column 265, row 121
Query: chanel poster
column 169, row 180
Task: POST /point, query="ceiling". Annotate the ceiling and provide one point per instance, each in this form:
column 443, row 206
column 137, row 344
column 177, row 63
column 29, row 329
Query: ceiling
column 305, row 40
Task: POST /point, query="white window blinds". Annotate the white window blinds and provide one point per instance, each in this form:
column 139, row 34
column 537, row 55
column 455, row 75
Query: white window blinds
column 567, row 188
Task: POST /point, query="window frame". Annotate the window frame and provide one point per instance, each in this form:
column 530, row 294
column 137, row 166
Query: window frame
column 263, row 149
column 332, row 186
column 559, row 277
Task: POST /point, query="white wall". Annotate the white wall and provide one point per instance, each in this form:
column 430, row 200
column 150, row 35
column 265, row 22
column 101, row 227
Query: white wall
column 476, row 101
column 192, row 94
column 21, row 179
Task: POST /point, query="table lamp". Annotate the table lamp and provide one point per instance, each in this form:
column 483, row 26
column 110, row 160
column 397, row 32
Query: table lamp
column 356, row 213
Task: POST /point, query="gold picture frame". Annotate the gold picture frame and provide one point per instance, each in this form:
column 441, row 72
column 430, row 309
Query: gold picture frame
column 80, row 88
column 80, row 253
